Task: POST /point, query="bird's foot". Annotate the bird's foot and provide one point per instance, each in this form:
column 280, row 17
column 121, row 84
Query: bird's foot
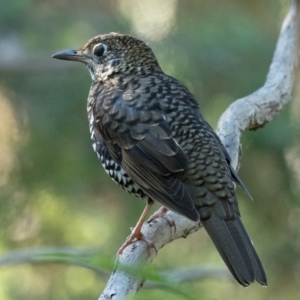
column 136, row 235
column 162, row 213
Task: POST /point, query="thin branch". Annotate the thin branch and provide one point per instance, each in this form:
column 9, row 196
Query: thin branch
column 190, row 274
column 259, row 108
column 251, row 112
column 64, row 255
column 86, row 258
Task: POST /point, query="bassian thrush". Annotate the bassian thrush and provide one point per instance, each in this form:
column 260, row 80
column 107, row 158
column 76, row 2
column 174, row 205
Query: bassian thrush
column 152, row 140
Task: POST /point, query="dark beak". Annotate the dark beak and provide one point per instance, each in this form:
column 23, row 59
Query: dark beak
column 75, row 55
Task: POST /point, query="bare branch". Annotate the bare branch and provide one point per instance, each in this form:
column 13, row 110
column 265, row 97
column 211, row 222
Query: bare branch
column 250, row 112
column 259, row 108
column 138, row 255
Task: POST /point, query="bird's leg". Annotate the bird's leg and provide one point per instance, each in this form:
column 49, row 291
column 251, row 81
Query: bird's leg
column 161, row 213
column 136, row 233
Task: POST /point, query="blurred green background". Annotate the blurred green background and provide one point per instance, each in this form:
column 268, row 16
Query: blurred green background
column 53, row 191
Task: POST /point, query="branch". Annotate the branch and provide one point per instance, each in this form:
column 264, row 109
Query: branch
column 85, row 258
column 190, row 274
column 138, row 255
column 64, row 255
column 259, row 108
column 250, row 112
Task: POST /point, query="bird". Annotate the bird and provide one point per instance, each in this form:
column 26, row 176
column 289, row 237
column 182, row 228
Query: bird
column 152, row 140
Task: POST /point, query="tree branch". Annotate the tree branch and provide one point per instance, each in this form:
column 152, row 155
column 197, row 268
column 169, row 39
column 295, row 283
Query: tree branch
column 250, row 112
column 259, row 108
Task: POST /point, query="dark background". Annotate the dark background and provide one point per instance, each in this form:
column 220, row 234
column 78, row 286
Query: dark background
column 53, row 191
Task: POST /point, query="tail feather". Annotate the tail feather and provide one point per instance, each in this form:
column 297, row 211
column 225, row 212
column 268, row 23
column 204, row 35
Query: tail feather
column 259, row 270
column 236, row 249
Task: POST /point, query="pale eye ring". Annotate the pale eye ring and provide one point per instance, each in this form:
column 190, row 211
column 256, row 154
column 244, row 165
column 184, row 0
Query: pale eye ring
column 99, row 49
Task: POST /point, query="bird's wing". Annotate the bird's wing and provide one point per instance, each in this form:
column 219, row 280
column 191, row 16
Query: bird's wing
column 150, row 155
column 208, row 178
column 234, row 175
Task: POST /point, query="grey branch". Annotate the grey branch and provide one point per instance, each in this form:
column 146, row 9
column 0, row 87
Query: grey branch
column 250, row 112
column 260, row 107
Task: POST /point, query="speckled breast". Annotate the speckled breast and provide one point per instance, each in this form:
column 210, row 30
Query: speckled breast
column 112, row 168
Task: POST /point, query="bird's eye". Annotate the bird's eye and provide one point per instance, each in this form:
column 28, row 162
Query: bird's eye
column 99, row 49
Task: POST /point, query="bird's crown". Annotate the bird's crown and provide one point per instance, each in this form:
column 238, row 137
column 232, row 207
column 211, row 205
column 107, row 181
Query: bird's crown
column 112, row 53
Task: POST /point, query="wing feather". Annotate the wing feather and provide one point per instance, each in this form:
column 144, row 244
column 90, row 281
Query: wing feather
column 150, row 155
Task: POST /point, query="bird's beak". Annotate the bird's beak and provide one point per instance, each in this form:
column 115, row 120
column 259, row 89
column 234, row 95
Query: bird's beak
column 75, row 55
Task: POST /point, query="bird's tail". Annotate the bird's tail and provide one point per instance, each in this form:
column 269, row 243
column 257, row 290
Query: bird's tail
column 236, row 249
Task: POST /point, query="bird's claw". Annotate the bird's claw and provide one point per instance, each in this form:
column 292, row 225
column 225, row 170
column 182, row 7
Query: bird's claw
column 162, row 213
column 136, row 235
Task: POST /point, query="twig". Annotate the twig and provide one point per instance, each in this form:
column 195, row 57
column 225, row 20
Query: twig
column 190, row 274
column 85, row 258
column 251, row 112
column 63, row 255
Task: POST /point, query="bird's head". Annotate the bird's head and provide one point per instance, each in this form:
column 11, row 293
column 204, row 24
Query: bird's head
column 112, row 53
